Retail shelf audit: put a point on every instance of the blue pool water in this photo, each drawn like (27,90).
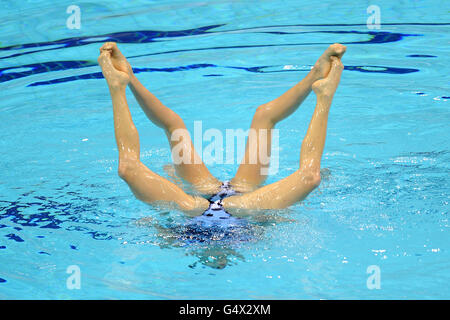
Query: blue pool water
(384,199)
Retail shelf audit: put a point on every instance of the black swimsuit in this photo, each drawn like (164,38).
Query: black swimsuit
(216,224)
(216,214)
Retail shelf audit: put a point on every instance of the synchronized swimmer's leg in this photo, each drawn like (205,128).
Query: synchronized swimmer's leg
(145,184)
(150,187)
(190,167)
(298,185)
(251,172)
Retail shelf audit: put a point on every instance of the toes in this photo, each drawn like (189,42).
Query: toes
(103,50)
(337,49)
(112,46)
(341,50)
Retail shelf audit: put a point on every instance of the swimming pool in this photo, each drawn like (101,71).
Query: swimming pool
(384,196)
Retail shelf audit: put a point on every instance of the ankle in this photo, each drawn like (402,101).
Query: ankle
(117,88)
(133,80)
(324,101)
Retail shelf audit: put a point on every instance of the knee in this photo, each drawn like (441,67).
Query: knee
(264,114)
(174,122)
(193,206)
(126,168)
(312,178)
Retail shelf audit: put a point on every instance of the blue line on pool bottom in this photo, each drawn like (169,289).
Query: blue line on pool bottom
(98,75)
(148,36)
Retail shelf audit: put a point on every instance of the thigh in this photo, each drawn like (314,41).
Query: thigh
(278,195)
(151,188)
(188,164)
(254,166)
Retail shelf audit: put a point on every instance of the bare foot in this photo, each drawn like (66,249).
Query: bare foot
(117,58)
(115,78)
(325,88)
(323,64)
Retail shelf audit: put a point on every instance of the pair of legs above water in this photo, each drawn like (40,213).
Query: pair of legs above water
(149,187)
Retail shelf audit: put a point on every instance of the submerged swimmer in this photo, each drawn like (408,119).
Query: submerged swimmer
(243,194)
